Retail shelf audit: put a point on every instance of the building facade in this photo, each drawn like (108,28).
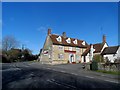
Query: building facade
(111,53)
(60,49)
(98,49)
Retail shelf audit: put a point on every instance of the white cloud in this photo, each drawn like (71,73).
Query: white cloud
(42,29)
(26,41)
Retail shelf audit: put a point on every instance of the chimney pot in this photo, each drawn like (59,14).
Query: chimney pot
(64,34)
(104,38)
(49,31)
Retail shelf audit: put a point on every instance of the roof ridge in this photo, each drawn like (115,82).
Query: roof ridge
(97,43)
(115,46)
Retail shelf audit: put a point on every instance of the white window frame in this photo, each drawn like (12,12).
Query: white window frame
(59,39)
(61,56)
(60,47)
(77,57)
(68,40)
(77,49)
(75,41)
(83,43)
(70,48)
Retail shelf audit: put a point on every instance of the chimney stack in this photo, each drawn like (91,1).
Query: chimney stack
(49,31)
(64,34)
(104,38)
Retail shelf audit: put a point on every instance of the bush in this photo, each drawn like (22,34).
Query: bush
(5,59)
(98,58)
(117,60)
(94,65)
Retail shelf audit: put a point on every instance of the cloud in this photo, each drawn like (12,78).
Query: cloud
(26,41)
(42,29)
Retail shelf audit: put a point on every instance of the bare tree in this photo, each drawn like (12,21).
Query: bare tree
(9,42)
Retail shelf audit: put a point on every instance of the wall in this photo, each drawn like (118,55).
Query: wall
(46,58)
(118,53)
(110,67)
(56,51)
(87,56)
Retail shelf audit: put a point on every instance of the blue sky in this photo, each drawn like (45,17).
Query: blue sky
(28,22)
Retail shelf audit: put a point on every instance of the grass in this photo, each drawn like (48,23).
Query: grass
(33,61)
(109,72)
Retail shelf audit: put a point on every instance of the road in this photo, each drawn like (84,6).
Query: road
(29,75)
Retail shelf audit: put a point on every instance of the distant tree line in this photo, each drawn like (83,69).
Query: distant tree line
(11,52)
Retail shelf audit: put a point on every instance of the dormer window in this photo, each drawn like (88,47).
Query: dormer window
(68,40)
(75,41)
(59,39)
(83,43)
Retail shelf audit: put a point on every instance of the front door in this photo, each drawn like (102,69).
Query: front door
(71,58)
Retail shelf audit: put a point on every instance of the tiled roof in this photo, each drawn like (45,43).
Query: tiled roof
(110,50)
(86,51)
(64,43)
(98,47)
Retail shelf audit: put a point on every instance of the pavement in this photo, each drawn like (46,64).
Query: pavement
(69,76)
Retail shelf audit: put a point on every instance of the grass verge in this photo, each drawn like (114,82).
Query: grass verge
(109,72)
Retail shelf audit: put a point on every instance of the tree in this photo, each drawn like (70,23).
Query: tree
(14,55)
(98,58)
(9,42)
(26,53)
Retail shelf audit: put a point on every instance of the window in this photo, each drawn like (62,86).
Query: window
(70,48)
(77,57)
(59,39)
(60,47)
(68,40)
(77,49)
(45,52)
(83,43)
(75,41)
(60,56)
(49,56)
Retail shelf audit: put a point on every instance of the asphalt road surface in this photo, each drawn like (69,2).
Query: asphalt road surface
(27,75)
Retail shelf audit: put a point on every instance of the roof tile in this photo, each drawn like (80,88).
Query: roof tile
(64,43)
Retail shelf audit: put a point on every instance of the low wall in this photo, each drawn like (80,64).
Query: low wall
(54,62)
(59,62)
(106,67)
(109,67)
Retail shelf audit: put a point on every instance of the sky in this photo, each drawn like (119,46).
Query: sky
(28,22)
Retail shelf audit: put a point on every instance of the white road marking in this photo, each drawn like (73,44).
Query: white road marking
(89,77)
(74,73)
(103,75)
(63,71)
(111,81)
(11,69)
